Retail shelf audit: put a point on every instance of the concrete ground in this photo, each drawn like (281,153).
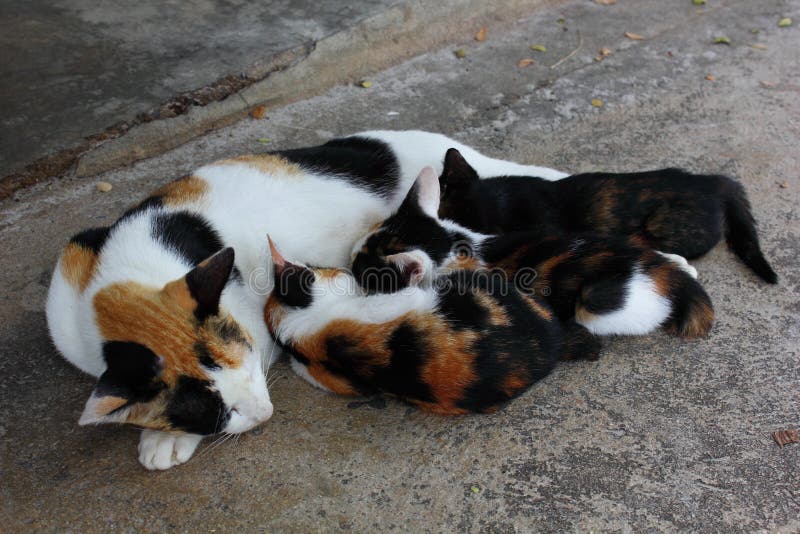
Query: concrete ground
(659,435)
(73,68)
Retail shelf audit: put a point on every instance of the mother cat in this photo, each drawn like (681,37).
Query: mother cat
(159,308)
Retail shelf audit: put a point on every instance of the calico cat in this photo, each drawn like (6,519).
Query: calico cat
(170,320)
(608,285)
(669,210)
(451,349)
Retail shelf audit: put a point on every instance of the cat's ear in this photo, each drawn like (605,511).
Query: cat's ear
(207,280)
(411,266)
(457,173)
(424,194)
(428,191)
(292,282)
(132,376)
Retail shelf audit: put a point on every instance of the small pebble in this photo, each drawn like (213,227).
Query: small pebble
(104,187)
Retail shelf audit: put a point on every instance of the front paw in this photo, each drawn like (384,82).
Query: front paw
(162,450)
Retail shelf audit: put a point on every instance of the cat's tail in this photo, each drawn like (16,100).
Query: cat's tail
(691,312)
(741,233)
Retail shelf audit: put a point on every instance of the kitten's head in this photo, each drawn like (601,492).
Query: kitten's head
(380,260)
(177,360)
(456,182)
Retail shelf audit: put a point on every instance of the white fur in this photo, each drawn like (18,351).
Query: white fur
(302,372)
(341,297)
(682,263)
(162,450)
(315,219)
(644,310)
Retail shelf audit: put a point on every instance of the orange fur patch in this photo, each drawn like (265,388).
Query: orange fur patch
(538,308)
(462,261)
(182,191)
(497,314)
(78,265)
(266,163)
(448,371)
(161,321)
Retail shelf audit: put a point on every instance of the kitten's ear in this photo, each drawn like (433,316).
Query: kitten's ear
(132,376)
(411,266)
(424,194)
(292,282)
(207,280)
(428,191)
(457,173)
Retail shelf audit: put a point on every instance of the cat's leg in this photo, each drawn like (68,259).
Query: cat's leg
(631,306)
(682,263)
(162,450)
(417,149)
(302,371)
(579,343)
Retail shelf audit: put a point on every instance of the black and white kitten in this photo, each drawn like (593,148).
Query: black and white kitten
(668,210)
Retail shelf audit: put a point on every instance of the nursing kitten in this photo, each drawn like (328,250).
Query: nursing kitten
(669,210)
(157,307)
(458,347)
(608,285)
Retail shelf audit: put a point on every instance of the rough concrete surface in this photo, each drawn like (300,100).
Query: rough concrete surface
(659,435)
(71,68)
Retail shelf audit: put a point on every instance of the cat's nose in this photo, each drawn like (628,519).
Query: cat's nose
(265,409)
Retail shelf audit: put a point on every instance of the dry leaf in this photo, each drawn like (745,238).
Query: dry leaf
(768,85)
(258,112)
(710,78)
(784,437)
(783,185)
(605,2)
(366,84)
(758,46)
(605,51)
(481,35)
(525,62)
(104,187)
(634,36)
(596,102)
(460,53)
(598,58)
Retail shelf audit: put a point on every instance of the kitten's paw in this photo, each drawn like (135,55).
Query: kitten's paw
(682,263)
(162,450)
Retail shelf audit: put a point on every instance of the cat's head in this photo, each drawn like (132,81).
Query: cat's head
(456,182)
(381,260)
(175,358)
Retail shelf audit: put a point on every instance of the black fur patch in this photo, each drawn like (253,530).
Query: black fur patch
(190,235)
(93,238)
(204,356)
(133,372)
(402,377)
(194,407)
(366,163)
(293,285)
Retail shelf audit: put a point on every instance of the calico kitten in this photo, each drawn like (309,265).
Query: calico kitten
(456,348)
(608,285)
(669,210)
(157,307)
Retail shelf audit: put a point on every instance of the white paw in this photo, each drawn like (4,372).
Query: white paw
(682,263)
(162,450)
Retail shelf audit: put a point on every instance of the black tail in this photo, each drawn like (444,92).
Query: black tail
(741,234)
